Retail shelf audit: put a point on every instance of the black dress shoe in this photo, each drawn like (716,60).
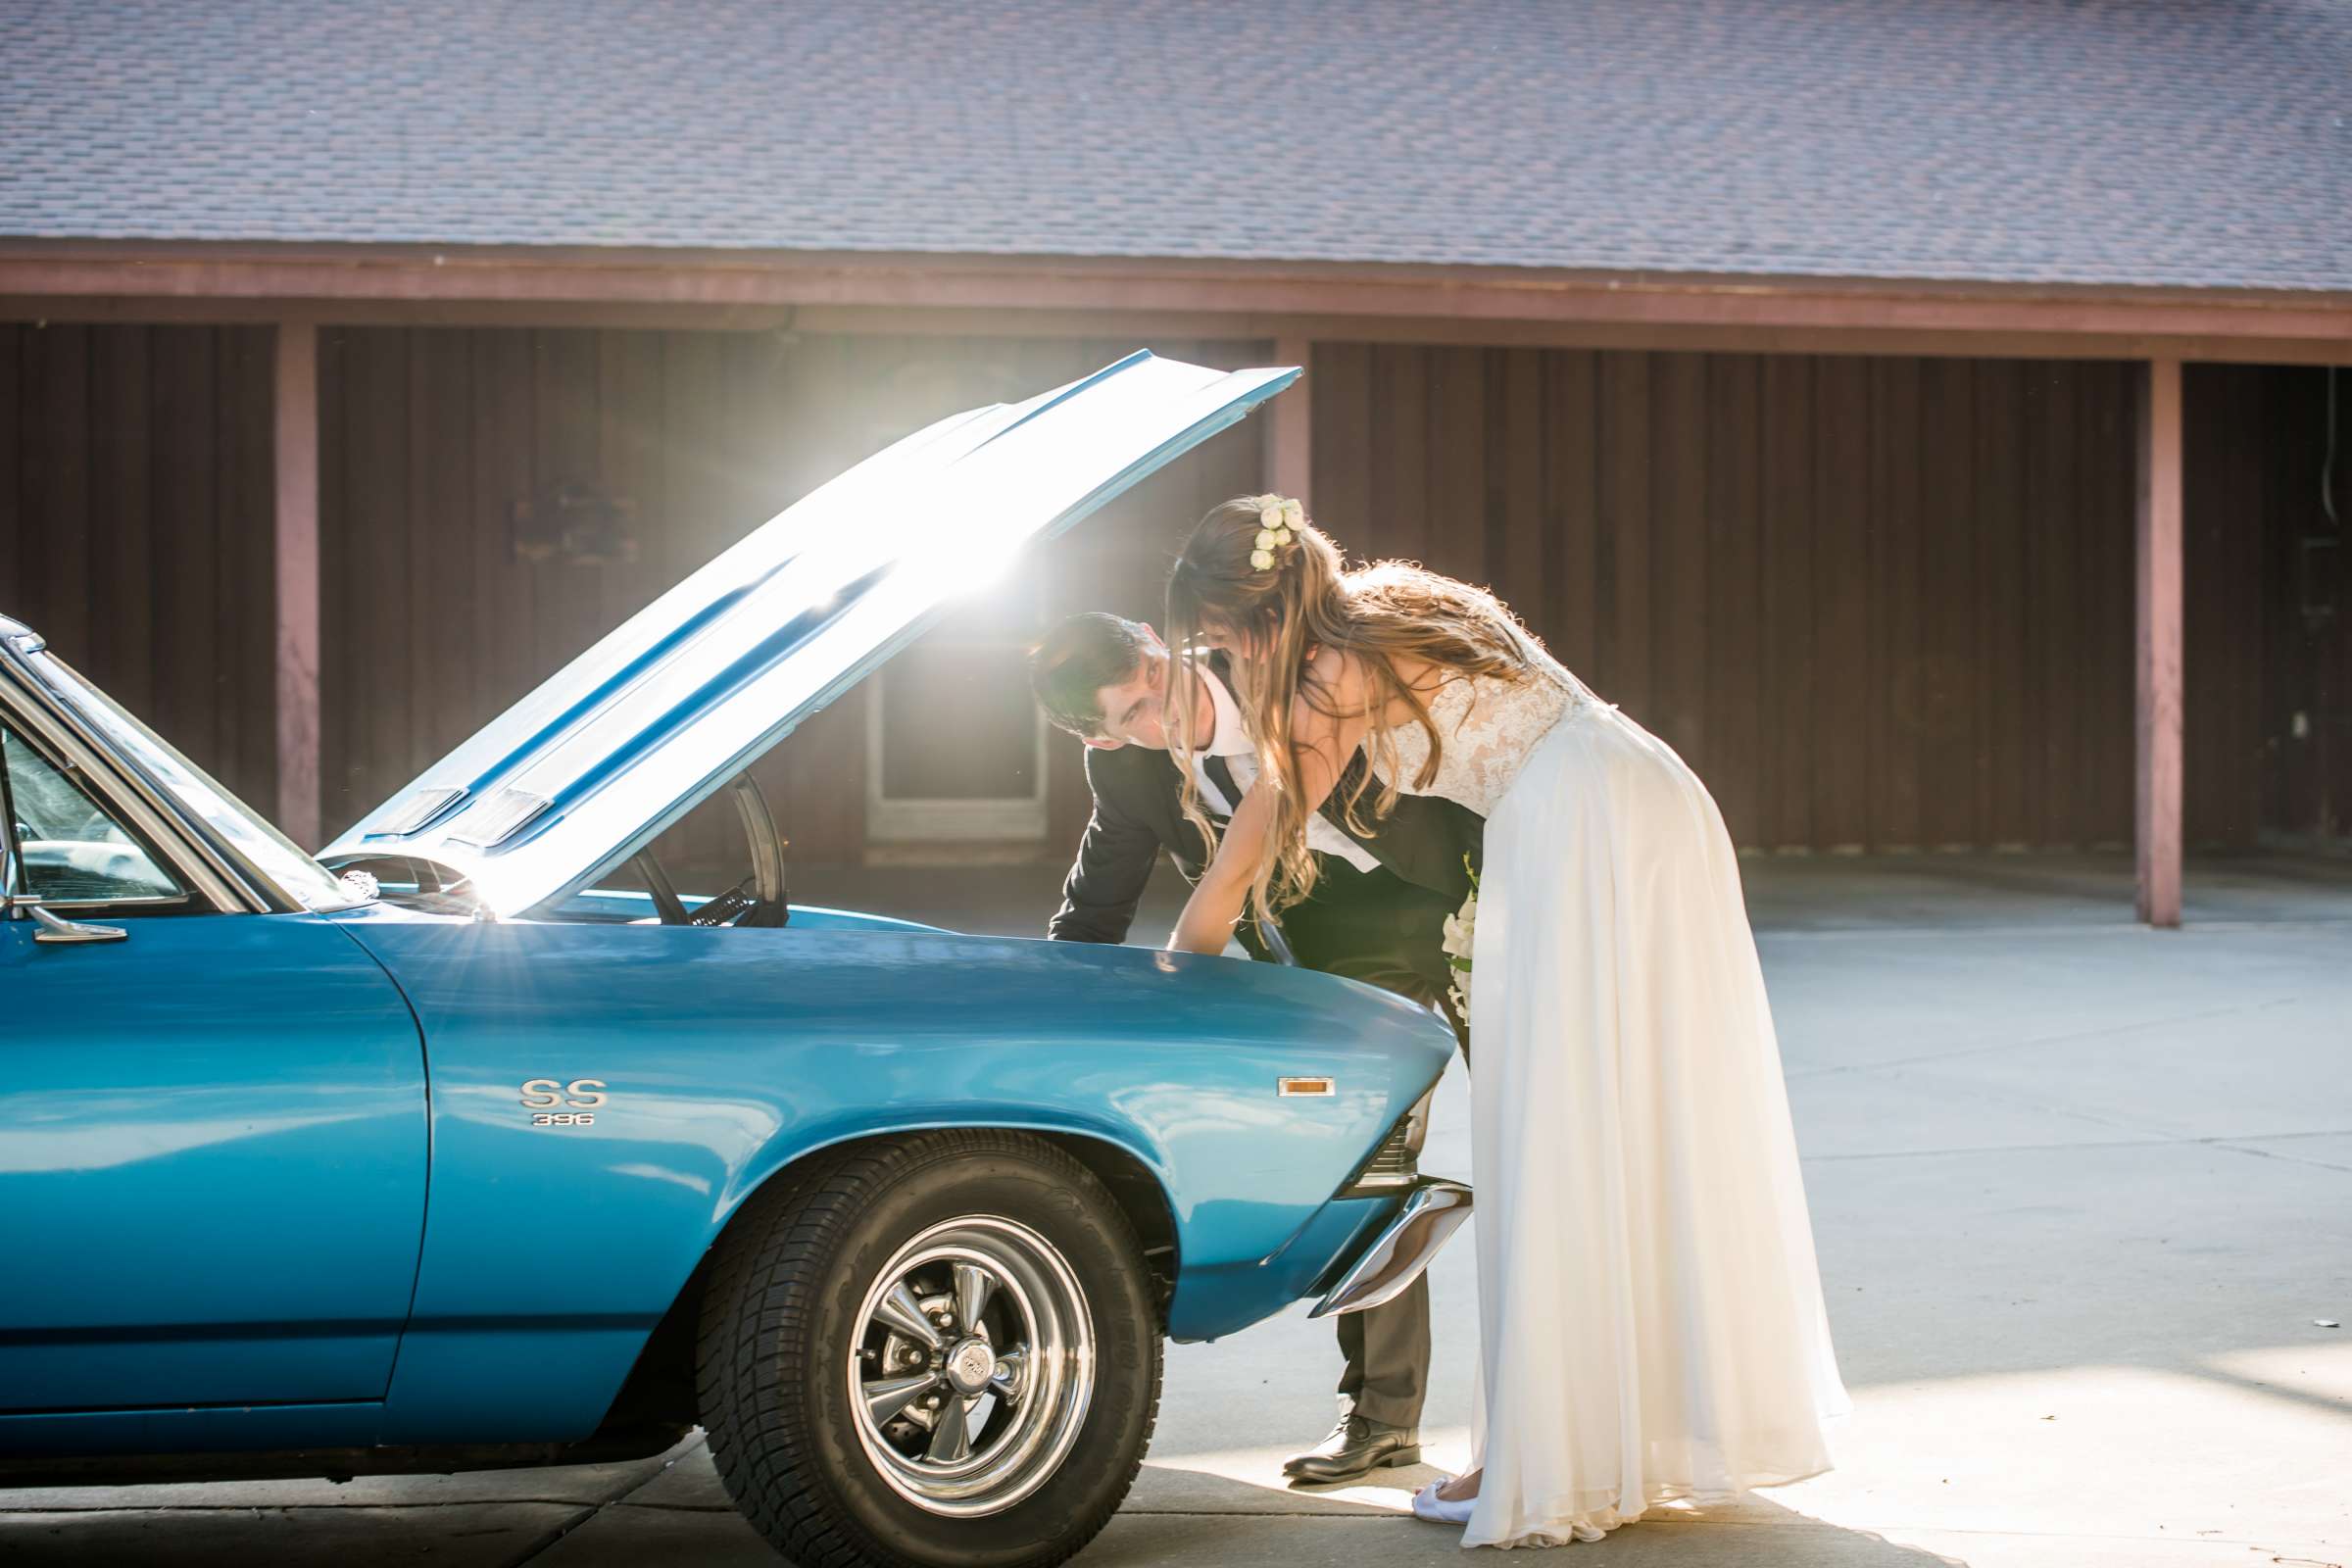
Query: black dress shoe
(1357,1448)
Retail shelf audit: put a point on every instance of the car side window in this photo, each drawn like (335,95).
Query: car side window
(66,848)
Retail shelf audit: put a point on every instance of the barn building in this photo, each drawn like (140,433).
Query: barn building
(1925,416)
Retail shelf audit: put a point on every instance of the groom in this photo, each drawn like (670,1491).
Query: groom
(1377,915)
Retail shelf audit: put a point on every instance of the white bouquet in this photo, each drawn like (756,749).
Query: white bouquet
(1461,930)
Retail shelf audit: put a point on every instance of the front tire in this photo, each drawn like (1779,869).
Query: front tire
(931,1351)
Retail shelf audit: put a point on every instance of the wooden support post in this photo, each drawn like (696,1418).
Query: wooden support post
(2157,608)
(297,554)
(1290,430)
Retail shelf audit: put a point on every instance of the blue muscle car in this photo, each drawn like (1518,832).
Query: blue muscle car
(435,1152)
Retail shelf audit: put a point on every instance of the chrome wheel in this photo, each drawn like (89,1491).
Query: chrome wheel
(971,1366)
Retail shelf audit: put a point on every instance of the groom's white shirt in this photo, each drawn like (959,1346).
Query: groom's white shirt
(1232,743)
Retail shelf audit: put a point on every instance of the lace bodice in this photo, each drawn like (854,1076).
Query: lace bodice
(1489,727)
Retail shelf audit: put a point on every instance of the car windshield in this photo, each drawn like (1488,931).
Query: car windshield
(269,851)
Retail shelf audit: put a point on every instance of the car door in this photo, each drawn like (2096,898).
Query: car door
(213,1139)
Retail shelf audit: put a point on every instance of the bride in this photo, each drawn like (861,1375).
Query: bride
(1649,1309)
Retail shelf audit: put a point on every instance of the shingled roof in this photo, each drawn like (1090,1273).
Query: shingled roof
(2116,142)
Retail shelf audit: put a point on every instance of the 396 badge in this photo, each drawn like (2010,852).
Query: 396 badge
(543,1095)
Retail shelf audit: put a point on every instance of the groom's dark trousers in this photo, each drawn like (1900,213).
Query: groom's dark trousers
(1384,926)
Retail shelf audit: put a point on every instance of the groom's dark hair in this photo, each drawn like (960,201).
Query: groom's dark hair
(1072,663)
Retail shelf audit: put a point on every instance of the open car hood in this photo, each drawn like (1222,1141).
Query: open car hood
(636,731)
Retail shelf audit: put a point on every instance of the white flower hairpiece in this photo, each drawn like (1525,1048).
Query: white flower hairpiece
(1278,523)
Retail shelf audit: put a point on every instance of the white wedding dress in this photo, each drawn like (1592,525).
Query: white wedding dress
(1650,1315)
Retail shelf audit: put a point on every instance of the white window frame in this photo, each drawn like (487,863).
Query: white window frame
(914,821)
(910,820)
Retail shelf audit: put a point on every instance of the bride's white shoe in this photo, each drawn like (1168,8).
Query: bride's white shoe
(1427,1504)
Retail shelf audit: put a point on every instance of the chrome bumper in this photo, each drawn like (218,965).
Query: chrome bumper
(1397,1256)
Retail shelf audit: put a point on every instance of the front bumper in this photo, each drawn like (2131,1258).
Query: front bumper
(1365,1245)
(1402,1249)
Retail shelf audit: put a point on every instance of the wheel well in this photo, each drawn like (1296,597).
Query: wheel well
(1139,1195)
(660,1386)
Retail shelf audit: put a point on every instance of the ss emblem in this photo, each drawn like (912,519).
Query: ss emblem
(541,1095)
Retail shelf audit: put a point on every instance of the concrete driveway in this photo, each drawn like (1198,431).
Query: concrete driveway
(2084,1198)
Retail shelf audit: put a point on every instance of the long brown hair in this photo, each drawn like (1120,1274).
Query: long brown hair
(1305,601)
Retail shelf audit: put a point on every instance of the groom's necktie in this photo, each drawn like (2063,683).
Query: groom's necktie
(1221,775)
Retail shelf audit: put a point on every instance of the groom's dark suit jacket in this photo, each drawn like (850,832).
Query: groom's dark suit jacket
(1383,927)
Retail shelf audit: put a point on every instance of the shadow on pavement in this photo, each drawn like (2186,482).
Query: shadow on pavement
(1193,1517)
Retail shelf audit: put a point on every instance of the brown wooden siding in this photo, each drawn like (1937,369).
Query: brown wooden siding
(1877,603)
(2226,482)
(431,436)
(2305,592)
(135,525)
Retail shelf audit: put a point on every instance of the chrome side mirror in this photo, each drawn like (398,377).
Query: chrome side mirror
(55,929)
